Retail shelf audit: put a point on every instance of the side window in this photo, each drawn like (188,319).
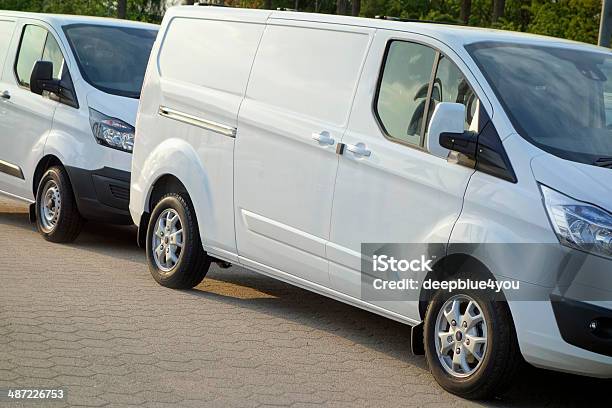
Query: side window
(53,53)
(37,44)
(30,51)
(451,86)
(402,99)
(402,93)
(606,68)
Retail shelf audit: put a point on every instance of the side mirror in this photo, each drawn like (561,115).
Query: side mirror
(41,78)
(446,131)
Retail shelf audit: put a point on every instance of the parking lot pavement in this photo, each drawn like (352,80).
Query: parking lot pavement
(88,318)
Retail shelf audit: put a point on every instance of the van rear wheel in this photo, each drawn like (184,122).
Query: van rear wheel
(174,250)
(470,344)
(57,216)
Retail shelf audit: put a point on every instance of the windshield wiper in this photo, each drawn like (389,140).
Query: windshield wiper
(604,162)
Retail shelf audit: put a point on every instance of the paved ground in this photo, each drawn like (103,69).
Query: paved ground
(89,318)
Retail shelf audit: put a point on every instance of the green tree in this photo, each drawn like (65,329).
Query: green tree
(573,19)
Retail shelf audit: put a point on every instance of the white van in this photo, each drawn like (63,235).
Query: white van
(69,89)
(288,142)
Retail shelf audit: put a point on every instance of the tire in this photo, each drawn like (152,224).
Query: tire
(57,216)
(500,355)
(184,266)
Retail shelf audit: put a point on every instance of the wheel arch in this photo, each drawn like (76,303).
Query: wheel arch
(171,166)
(447,268)
(166,183)
(43,165)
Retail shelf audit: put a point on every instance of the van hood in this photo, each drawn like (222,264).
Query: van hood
(582,182)
(114,106)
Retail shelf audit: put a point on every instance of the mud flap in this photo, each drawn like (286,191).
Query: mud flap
(416,340)
(32,213)
(141,236)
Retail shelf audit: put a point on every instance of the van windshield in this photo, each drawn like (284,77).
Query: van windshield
(112,59)
(559,99)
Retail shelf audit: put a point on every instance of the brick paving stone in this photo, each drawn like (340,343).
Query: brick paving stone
(88,317)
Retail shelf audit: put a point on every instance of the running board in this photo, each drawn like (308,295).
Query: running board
(221,263)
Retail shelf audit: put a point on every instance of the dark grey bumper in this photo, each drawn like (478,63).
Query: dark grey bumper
(584,325)
(102,195)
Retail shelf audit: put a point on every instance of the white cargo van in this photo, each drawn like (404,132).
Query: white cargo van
(289,142)
(69,89)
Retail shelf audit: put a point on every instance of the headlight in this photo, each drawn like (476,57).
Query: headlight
(579,225)
(111,132)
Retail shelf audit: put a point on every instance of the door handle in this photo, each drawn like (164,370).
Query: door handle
(323,138)
(359,149)
(5,95)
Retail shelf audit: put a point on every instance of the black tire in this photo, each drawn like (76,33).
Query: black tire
(193,262)
(501,360)
(67,222)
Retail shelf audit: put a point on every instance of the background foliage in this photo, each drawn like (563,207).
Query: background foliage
(573,19)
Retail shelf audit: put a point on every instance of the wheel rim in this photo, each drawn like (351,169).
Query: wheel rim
(50,206)
(167,240)
(461,336)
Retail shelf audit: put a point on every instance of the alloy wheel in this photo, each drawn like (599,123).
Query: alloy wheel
(461,336)
(167,240)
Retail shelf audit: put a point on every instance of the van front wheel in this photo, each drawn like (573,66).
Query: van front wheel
(470,344)
(174,250)
(57,216)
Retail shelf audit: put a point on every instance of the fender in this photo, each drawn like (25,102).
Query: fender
(29,167)
(72,141)
(177,158)
(64,146)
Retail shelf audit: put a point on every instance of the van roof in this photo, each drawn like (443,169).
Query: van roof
(66,19)
(452,35)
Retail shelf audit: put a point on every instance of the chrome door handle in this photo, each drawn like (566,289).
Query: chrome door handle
(5,95)
(323,138)
(359,149)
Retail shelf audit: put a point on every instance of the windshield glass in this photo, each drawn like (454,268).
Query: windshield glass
(112,59)
(559,99)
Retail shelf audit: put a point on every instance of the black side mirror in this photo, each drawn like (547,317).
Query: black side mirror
(41,78)
(464,143)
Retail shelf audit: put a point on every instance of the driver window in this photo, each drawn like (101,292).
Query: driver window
(30,51)
(451,86)
(53,53)
(606,86)
(37,44)
(402,93)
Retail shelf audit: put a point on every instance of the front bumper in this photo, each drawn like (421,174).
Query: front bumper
(584,325)
(102,195)
(543,345)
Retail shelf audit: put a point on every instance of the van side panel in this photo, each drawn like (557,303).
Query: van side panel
(211,54)
(301,87)
(7,27)
(187,119)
